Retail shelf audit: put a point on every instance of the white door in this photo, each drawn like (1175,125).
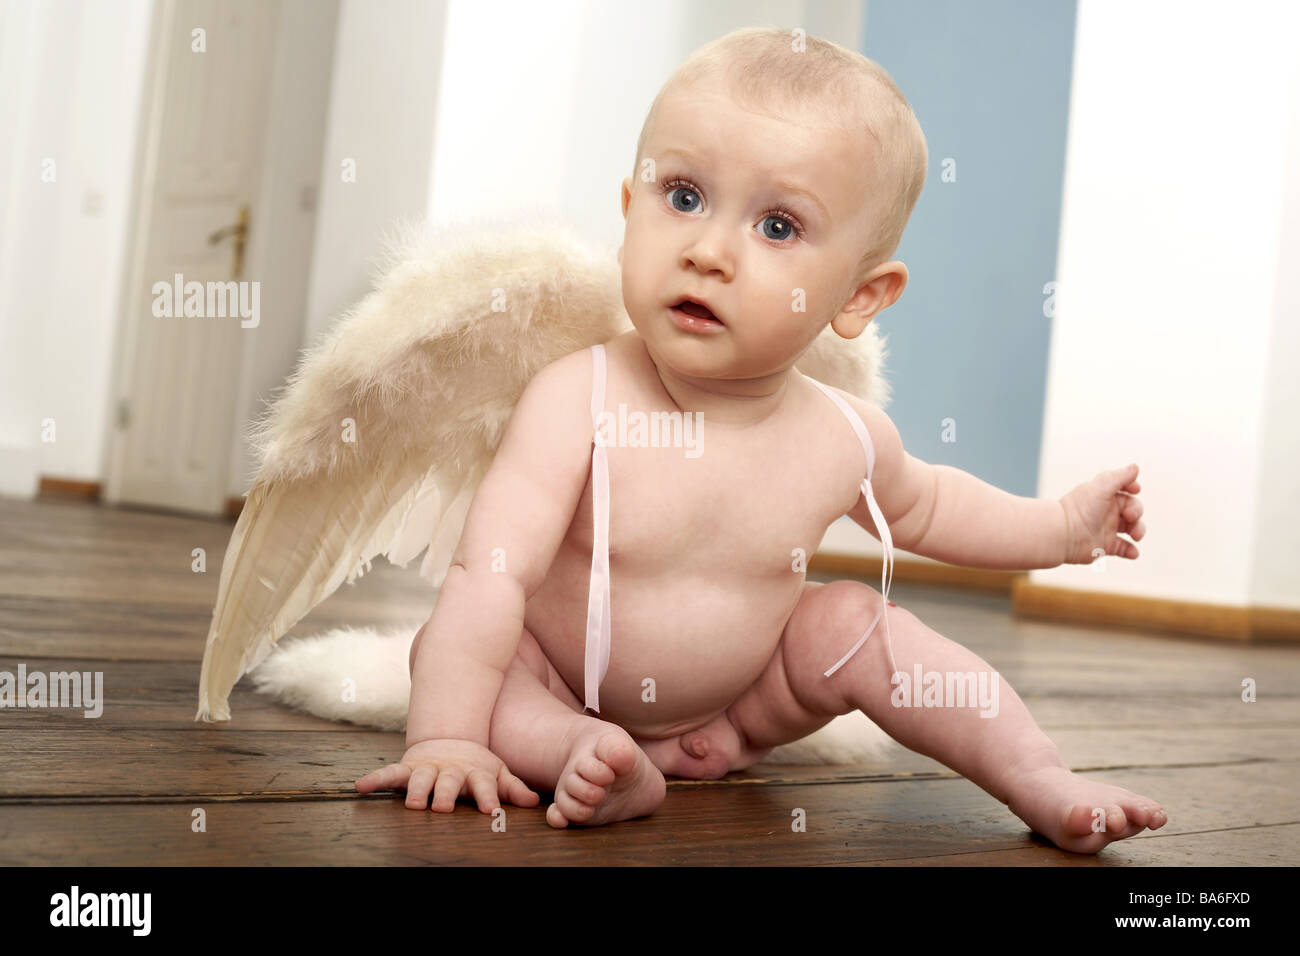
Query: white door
(202,152)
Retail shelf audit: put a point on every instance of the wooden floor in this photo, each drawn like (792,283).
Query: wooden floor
(102,589)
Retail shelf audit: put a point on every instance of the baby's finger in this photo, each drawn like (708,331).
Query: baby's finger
(418,787)
(1126,549)
(1131,510)
(448,789)
(484,790)
(392,777)
(1121,479)
(1137,531)
(516,791)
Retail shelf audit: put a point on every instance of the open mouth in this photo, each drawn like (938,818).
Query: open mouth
(696,310)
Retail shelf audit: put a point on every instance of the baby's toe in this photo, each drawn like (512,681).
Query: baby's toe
(618,752)
(1146,813)
(582,790)
(595,771)
(1117,822)
(1082,819)
(574,810)
(1078,820)
(555,817)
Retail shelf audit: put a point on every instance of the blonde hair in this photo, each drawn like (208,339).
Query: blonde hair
(766,68)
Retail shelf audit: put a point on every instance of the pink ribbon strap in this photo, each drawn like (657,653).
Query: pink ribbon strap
(878,518)
(596,661)
(886,579)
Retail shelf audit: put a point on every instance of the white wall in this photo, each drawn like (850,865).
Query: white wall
(1275,555)
(382,106)
(281,239)
(71,74)
(1174,337)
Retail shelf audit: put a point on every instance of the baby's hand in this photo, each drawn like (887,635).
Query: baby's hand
(1098,511)
(454,766)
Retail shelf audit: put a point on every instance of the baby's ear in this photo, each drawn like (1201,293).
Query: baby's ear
(878,291)
(849,325)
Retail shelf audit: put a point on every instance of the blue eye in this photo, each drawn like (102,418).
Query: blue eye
(687,208)
(784,227)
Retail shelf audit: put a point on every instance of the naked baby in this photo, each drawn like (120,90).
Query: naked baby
(773,180)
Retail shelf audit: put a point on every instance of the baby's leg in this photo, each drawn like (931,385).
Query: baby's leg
(1007,755)
(596,771)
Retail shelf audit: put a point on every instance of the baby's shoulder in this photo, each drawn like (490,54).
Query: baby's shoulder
(564,389)
(559,393)
(882,435)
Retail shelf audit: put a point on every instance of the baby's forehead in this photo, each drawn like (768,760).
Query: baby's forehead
(705,120)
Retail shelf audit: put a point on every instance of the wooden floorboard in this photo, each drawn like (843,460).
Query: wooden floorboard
(92,588)
(917,821)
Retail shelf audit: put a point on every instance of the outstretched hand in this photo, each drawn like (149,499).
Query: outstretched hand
(1098,511)
(448,769)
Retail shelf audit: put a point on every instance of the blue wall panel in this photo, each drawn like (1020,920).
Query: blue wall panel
(989,81)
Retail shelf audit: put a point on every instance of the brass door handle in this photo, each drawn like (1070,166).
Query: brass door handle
(240,231)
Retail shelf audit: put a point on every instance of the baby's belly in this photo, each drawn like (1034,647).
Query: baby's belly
(683,644)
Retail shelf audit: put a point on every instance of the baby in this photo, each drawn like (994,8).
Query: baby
(774,176)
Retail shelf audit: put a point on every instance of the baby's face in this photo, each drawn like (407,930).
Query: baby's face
(757,216)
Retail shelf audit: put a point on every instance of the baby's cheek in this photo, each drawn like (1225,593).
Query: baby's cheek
(643,290)
(635,297)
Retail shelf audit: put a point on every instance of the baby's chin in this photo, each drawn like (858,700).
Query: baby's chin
(720,355)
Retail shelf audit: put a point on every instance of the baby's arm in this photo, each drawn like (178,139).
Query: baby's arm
(513,529)
(949,515)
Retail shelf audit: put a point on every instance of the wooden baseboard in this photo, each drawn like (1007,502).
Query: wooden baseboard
(1071,606)
(1251,623)
(1274,624)
(1127,610)
(68,488)
(921,572)
(91,491)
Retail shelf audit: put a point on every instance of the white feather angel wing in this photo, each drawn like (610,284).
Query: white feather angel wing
(389,423)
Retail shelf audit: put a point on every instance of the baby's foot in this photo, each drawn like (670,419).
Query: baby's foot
(606,778)
(1069,809)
